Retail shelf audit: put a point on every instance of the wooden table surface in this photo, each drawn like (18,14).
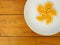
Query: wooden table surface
(13,29)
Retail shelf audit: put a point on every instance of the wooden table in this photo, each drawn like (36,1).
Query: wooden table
(13,29)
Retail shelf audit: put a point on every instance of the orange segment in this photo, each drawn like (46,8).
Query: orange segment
(48,5)
(40,18)
(47,12)
(48,19)
(40,9)
(52,12)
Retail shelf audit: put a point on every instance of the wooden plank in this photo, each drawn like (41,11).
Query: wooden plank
(48,41)
(29,40)
(14,25)
(12,6)
(23,41)
(4,41)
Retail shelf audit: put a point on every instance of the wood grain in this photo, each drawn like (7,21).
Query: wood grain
(12,6)
(29,41)
(11,25)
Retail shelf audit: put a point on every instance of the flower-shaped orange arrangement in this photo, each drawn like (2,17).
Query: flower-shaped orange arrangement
(46,12)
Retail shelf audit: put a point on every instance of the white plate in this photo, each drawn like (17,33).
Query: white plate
(30,14)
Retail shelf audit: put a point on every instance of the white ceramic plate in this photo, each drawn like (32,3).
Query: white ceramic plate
(30,13)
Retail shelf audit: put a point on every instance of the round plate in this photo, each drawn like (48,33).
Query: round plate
(30,13)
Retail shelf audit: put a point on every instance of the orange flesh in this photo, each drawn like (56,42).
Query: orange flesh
(46,13)
(40,18)
(48,5)
(40,9)
(48,19)
(52,12)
